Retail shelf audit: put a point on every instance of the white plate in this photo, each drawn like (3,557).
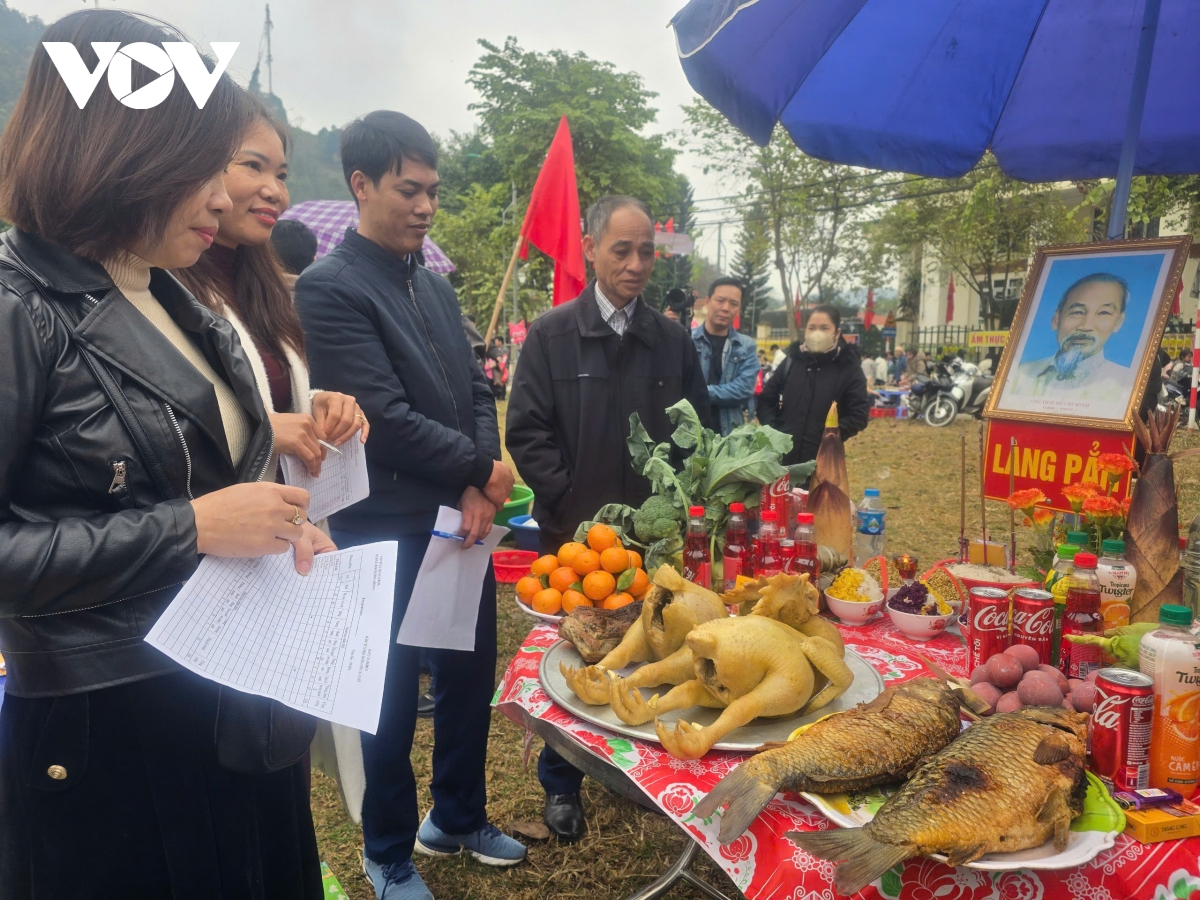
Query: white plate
(867,686)
(1082,846)
(529,611)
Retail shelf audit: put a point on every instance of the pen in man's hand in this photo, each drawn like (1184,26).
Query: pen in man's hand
(453,537)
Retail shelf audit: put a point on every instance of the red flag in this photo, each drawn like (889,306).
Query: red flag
(950,301)
(670,226)
(552,219)
(870,299)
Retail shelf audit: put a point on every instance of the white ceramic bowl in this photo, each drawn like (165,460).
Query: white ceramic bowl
(851,612)
(917,627)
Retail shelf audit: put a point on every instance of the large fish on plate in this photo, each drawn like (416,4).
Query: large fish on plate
(874,743)
(1011,782)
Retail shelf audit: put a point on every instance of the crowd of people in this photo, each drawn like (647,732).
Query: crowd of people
(164,338)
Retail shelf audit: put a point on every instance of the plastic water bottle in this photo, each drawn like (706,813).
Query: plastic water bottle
(868,541)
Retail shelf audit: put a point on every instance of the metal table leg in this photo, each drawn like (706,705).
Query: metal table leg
(679,871)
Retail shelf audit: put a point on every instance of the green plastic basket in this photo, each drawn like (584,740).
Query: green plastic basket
(518,504)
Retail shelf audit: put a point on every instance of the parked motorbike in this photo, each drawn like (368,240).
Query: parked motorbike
(955,387)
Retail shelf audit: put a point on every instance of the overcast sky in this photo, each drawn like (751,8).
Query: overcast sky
(336,59)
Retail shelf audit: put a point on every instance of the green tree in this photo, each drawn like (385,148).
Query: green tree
(19,37)
(752,267)
(814,210)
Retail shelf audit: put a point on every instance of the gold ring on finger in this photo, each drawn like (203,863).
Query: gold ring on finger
(298,518)
(360,416)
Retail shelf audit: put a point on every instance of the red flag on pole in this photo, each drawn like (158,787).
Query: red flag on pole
(950,301)
(870,300)
(552,219)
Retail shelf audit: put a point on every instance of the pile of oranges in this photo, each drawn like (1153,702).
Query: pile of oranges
(601,573)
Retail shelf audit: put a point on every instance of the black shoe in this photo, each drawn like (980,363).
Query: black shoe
(425,706)
(564,816)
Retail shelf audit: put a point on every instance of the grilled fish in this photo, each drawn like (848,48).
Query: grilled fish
(874,743)
(1009,783)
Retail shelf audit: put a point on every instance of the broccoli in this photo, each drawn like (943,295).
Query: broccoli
(657,520)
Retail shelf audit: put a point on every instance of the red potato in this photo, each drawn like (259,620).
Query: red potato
(1084,697)
(1010,702)
(1004,671)
(1058,676)
(1067,704)
(988,693)
(980,674)
(1074,683)
(1037,691)
(1091,676)
(1026,655)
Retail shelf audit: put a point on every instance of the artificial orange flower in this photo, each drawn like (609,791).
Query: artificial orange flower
(1026,500)
(1115,466)
(1125,507)
(1043,519)
(1079,492)
(1101,508)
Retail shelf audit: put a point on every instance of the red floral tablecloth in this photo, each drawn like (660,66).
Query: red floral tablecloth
(766,866)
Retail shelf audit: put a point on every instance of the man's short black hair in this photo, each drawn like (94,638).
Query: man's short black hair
(295,245)
(379,143)
(1096,278)
(727,280)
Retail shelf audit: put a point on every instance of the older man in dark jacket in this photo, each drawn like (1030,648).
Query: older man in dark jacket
(585,367)
(374,317)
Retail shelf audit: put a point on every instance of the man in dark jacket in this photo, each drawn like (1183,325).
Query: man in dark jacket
(824,370)
(377,319)
(585,367)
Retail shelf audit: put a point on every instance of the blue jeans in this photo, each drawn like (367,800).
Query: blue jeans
(463,684)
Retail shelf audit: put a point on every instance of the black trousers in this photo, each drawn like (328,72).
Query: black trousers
(463,684)
(144,809)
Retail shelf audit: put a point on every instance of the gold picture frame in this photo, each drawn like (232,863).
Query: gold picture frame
(1023,402)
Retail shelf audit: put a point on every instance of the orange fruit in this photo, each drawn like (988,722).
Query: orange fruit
(598,585)
(573,599)
(526,588)
(567,553)
(614,560)
(544,565)
(641,582)
(562,578)
(586,561)
(548,602)
(616,601)
(635,559)
(601,537)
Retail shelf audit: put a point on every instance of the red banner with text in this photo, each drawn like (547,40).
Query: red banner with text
(1048,457)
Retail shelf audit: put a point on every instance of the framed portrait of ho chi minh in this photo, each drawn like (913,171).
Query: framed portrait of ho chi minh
(1086,332)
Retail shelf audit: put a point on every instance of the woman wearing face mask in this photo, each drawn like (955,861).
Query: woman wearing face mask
(815,374)
(134,441)
(240,278)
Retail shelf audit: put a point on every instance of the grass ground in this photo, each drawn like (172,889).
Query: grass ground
(916,469)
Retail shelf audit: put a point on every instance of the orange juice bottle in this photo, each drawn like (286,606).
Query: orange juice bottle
(1171,656)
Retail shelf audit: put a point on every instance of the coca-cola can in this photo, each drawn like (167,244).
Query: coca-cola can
(1033,620)
(787,555)
(988,615)
(1120,729)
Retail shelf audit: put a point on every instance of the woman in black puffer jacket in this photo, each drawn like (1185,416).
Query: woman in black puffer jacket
(816,374)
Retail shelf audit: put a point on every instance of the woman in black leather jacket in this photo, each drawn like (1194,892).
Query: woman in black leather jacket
(133,441)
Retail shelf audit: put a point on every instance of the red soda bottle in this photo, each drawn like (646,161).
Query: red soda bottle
(1082,616)
(806,549)
(697,564)
(769,561)
(736,556)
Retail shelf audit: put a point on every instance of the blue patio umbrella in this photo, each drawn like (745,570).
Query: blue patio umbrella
(1056,89)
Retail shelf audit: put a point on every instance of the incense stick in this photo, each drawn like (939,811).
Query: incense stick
(1012,514)
(982,503)
(964,546)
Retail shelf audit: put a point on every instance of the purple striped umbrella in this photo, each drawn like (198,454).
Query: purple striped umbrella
(329,220)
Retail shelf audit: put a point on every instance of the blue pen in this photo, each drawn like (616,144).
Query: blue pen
(453,537)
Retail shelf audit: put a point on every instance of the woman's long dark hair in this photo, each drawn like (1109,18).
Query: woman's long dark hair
(261,298)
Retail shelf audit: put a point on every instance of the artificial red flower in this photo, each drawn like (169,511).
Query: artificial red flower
(1115,466)
(1077,493)
(1026,500)
(1101,508)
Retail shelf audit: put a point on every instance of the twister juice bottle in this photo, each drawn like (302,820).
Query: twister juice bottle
(697,564)
(1171,656)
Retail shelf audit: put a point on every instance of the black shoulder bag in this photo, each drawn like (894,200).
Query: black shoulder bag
(254,735)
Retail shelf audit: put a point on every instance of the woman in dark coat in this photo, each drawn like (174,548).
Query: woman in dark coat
(816,374)
(134,441)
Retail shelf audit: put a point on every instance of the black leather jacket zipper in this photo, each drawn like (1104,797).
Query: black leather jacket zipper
(187,455)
